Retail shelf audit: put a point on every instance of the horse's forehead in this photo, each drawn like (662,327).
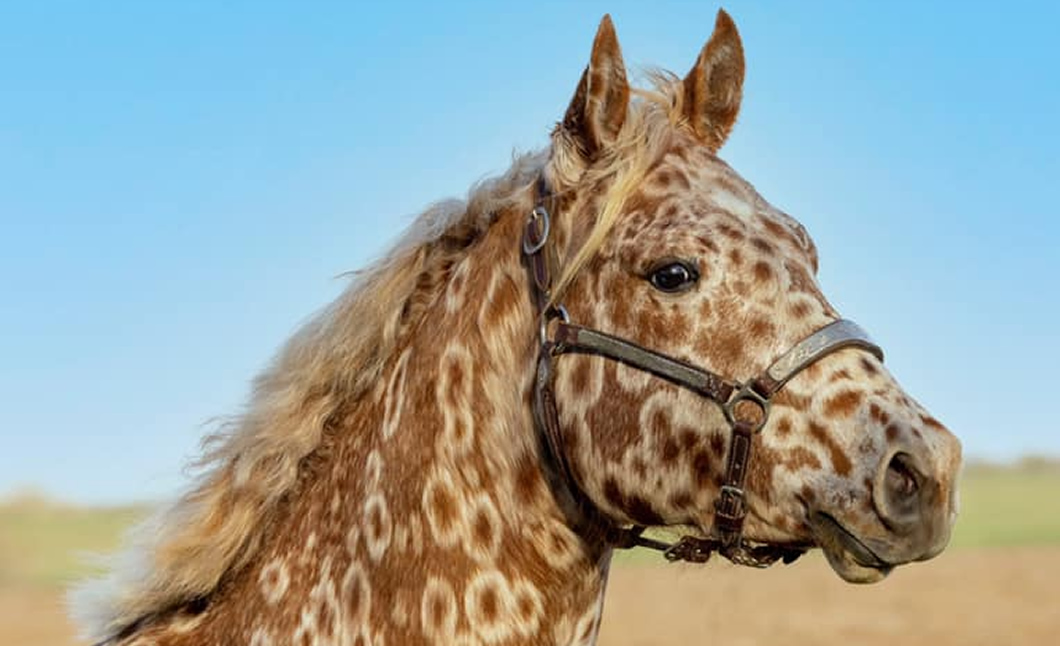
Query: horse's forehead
(694,188)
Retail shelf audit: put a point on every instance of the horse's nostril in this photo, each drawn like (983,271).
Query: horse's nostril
(898,493)
(901,477)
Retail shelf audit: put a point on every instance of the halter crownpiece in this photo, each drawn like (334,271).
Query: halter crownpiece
(746,406)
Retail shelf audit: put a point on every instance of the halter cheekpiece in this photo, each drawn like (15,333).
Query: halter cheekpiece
(746,406)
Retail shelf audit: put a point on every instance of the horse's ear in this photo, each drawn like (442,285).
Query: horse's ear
(598,109)
(714,86)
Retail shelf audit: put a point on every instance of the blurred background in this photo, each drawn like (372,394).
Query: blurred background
(181,184)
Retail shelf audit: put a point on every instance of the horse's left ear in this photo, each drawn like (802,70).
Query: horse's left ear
(598,109)
(714,86)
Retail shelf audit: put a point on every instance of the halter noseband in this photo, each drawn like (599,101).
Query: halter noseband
(746,406)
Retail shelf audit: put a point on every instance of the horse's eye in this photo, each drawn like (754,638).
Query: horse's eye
(673,276)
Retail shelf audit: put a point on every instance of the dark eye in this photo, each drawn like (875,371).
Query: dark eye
(673,276)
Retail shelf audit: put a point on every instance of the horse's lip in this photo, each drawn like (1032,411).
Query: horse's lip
(849,556)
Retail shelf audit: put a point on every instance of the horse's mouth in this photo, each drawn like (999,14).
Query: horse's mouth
(851,559)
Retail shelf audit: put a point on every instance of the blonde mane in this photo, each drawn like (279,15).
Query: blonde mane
(252,463)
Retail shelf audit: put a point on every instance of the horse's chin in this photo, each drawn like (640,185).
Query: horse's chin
(851,559)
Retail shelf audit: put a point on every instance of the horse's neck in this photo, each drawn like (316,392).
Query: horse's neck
(425,517)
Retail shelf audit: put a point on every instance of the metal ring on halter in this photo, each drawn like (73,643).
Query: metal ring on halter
(551,313)
(747,393)
(531,243)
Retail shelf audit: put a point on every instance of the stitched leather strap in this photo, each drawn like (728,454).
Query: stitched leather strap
(574,338)
(831,338)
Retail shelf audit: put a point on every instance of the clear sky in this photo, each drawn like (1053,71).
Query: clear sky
(181,184)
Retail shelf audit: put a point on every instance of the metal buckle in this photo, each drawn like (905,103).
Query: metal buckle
(731,503)
(551,313)
(747,393)
(532,243)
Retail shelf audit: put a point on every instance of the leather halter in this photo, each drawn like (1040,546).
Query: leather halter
(746,406)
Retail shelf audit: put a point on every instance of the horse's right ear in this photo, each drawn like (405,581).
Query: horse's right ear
(598,109)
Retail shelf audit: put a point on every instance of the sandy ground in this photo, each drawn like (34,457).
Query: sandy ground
(966,597)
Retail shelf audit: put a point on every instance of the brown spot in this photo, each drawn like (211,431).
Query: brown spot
(614,494)
(761,328)
(456,379)
(783,426)
(483,529)
(670,450)
(701,468)
(444,506)
(808,495)
(730,232)
(707,243)
(932,422)
(489,605)
(641,511)
(892,432)
(705,310)
(580,376)
(735,257)
(717,444)
(526,607)
(798,458)
(840,375)
(869,369)
(791,399)
(878,414)
(840,461)
(355,595)
(526,481)
(436,608)
(763,245)
(800,309)
(688,439)
(843,405)
(375,521)
(780,231)
(763,272)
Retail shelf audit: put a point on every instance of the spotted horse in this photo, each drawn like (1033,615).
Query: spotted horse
(616,333)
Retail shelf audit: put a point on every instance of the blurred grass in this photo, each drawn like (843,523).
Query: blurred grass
(1009,506)
(44,543)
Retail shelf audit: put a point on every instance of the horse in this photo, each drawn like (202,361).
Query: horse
(617,333)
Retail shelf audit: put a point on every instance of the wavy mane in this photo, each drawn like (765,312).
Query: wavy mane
(252,462)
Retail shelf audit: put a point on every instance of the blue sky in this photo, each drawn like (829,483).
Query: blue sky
(181,184)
